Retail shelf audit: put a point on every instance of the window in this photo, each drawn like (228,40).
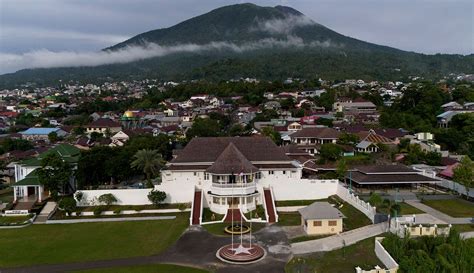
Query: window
(332,223)
(206,176)
(195,173)
(249,200)
(271,172)
(258,175)
(284,172)
(317,223)
(216,200)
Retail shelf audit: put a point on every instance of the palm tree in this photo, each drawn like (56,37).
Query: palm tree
(393,209)
(149,161)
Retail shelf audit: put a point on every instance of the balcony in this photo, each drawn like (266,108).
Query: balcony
(233,188)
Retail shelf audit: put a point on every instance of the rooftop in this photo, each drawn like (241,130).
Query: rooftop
(320,210)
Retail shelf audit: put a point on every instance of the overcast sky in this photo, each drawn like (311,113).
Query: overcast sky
(427,26)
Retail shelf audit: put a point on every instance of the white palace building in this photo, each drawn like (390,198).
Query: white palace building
(223,173)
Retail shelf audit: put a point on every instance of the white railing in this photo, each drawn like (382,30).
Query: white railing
(233,185)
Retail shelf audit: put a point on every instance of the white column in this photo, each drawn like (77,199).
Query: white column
(40,192)
(14,194)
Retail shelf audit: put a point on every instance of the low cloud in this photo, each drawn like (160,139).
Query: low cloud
(283,26)
(49,59)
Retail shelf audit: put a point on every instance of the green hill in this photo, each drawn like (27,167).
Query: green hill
(247,40)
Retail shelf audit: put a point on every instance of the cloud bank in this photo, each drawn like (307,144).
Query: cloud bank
(283,26)
(50,59)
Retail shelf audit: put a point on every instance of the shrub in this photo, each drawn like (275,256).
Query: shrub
(68,204)
(79,196)
(156,197)
(183,206)
(98,210)
(117,211)
(107,199)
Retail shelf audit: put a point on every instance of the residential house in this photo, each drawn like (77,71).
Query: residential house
(103,126)
(321,218)
(41,134)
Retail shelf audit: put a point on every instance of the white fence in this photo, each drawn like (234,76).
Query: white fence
(356,202)
(383,255)
(447,184)
(303,189)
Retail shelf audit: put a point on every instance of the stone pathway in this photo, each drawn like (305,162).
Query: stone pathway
(438,214)
(195,248)
(339,240)
(45,212)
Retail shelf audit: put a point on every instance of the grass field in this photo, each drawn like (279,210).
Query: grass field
(452,207)
(63,243)
(337,261)
(289,218)
(151,268)
(292,203)
(405,209)
(464,227)
(14,219)
(355,218)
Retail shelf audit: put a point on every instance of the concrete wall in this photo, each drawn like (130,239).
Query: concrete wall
(383,255)
(354,200)
(176,192)
(302,189)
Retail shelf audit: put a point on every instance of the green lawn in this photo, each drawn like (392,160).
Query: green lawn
(464,227)
(405,209)
(218,229)
(151,268)
(63,243)
(355,218)
(337,261)
(14,219)
(289,218)
(452,207)
(294,203)
(207,215)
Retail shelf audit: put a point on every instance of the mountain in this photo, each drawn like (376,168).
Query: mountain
(247,40)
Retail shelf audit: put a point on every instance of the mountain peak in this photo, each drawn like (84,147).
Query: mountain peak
(289,10)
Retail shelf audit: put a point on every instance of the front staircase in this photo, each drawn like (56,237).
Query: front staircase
(269,205)
(233,215)
(196,213)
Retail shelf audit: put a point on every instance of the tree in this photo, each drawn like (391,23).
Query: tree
(53,137)
(330,152)
(375,199)
(464,173)
(341,169)
(149,161)
(272,134)
(156,197)
(68,204)
(348,139)
(392,207)
(107,199)
(203,127)
(54,174)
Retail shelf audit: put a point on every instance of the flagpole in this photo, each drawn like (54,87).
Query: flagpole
(231,209)
(240,211)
